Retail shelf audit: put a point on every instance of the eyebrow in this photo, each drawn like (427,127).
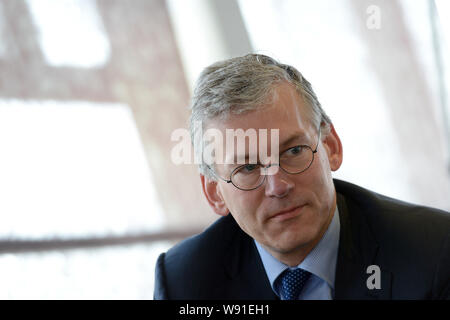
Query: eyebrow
(298,135)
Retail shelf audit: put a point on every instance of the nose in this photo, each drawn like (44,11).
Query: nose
(278,184)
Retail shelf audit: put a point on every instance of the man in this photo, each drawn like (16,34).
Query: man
(289,231)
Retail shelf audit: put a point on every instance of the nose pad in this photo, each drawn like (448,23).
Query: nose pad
(270,170)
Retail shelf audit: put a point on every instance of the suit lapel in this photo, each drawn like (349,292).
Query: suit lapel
(357,250)
(247,279)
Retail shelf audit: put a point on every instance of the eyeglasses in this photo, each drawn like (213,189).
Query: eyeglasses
(294,160)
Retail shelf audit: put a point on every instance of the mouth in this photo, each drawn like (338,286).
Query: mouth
(287,214)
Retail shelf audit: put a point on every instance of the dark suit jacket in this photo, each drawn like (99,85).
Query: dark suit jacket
(410,244)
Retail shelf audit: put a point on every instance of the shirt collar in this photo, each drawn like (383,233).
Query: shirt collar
(321,261)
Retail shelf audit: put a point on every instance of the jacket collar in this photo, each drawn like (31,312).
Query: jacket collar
(358,249)
(245,270)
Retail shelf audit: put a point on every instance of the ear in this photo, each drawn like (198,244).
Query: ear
(214,196)
(333,146)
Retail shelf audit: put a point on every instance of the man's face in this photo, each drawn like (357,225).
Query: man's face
(309,196)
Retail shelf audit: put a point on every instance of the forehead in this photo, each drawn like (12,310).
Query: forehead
(285,110)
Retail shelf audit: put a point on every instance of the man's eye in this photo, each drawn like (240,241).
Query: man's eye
(295,150)
(249,168)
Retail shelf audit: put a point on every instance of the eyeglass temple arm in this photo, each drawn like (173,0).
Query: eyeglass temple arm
(217,176)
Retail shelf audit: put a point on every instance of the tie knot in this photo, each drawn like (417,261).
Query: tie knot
(292,282)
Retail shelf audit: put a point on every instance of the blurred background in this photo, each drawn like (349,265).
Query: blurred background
(91,90)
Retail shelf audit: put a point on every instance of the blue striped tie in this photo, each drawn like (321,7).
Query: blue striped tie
(292,282)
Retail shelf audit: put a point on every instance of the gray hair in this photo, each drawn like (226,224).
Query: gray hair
(240,85)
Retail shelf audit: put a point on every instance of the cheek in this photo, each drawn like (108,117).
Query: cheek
(240,203)
(320,182)
(244,207)
(322,166)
